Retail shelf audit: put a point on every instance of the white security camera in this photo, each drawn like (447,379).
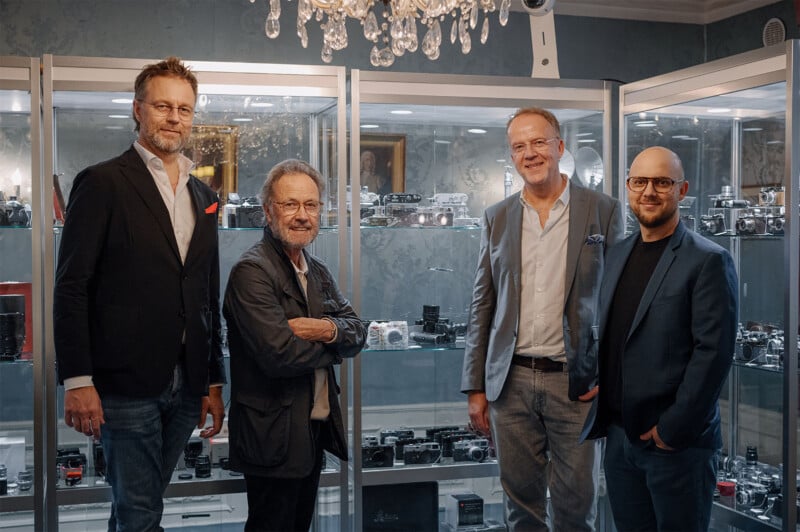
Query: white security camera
(538,8)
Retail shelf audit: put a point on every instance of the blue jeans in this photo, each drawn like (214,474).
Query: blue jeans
(142,441)
(535,429)
(650,489)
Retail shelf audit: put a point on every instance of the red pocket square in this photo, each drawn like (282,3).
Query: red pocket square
(211,209)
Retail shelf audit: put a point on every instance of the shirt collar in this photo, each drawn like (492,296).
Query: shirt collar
(303,268)
(563,198)
(184,163)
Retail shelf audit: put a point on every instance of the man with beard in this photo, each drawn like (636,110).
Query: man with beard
(668,314)
(136,305)
(288,325)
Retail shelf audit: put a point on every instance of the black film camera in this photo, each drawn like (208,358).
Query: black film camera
(422,453)
(436,330)
(712,224)
(193,449)
(374,454)
(399,433)
(400,444)
(471,450)
(250,213)
(447,439)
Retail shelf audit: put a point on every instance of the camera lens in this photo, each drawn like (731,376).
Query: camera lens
(202,466)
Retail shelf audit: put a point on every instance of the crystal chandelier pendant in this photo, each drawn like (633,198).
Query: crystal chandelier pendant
(398,31)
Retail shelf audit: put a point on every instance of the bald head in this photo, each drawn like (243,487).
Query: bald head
(657,161)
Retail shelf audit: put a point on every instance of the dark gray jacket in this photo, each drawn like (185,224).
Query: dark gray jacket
(272,370)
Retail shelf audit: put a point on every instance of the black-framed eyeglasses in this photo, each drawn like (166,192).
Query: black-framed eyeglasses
(291,207)
(660,184)
(164,109)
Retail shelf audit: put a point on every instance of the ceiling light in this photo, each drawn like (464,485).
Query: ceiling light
(586,140)
(242,119)
(585,133)
(752,129)
(118,116)
(401,112)
(391,24)
(718,110)
(476,130)
(261,104)
(122,100)
(370,126)
(645,123)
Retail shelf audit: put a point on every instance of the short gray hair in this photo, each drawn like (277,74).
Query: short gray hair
(290,166)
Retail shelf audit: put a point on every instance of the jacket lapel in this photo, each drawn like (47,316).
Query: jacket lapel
(513,232)
(314,291)
(198,204)
(578,217)
(136,172)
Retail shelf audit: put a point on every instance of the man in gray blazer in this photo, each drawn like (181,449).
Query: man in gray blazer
(530,359)
(667,321)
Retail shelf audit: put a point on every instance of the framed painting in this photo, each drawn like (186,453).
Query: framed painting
(214,150)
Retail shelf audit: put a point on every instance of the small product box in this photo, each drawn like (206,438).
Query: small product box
(464,509)
(12,454)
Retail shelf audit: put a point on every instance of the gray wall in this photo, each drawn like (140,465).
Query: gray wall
(233,30)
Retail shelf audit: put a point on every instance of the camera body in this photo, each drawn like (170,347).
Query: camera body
(476,450)
(398,433)
(538,8)
(422,453)
(712,224)
(250,213)
(447,439)
(71,464)
(751,494)
(374,454)
(193,449)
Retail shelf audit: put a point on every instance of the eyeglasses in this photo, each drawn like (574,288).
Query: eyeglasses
(660,184)
(536,144)
(291,207)
(165,109)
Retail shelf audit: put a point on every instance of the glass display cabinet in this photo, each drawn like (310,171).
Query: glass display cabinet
(733,123)
(21,367)
(248,117)
(428,155)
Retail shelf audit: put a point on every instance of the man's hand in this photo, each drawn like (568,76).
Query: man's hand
(588,396)
(212,404)
(652,434)
(311,329)
(83,411)
(478,408)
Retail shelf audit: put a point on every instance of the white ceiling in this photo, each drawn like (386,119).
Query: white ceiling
(685,11)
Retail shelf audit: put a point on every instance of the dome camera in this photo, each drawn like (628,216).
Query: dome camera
(538,8)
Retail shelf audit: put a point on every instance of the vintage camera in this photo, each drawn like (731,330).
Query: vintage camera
(775,223)
(202,466)
(726,200)
(751,345)
(751,222)
(250,213)
(771,196)
(374,454)
(751,494)
(70,457)
(397,433)
(447,439)
(193,449)
(431,433)
(436,330)
(400,443)
(471,450)
(712,224)
(433,216)
(422,453)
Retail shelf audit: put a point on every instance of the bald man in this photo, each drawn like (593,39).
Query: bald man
(668,315)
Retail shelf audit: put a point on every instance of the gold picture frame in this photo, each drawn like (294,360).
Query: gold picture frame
(214,150)
(383,162)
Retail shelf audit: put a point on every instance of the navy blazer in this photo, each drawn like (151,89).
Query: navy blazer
(123,299)
(594,224)
(680,345)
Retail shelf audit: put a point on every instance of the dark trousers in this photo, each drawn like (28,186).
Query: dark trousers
(654,490)
(284,504)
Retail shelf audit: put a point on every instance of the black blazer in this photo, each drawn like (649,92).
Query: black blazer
(272,370)
(680,346)
(123,299)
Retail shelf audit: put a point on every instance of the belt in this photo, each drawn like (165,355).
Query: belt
(547,365)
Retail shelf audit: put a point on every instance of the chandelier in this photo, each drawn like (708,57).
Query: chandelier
(396,33)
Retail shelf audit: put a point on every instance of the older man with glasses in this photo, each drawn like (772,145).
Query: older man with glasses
(288,326)
(668,315)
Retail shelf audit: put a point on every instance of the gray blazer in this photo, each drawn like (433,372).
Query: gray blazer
(595,222)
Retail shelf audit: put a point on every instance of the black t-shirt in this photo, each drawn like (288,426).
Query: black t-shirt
(632,283)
